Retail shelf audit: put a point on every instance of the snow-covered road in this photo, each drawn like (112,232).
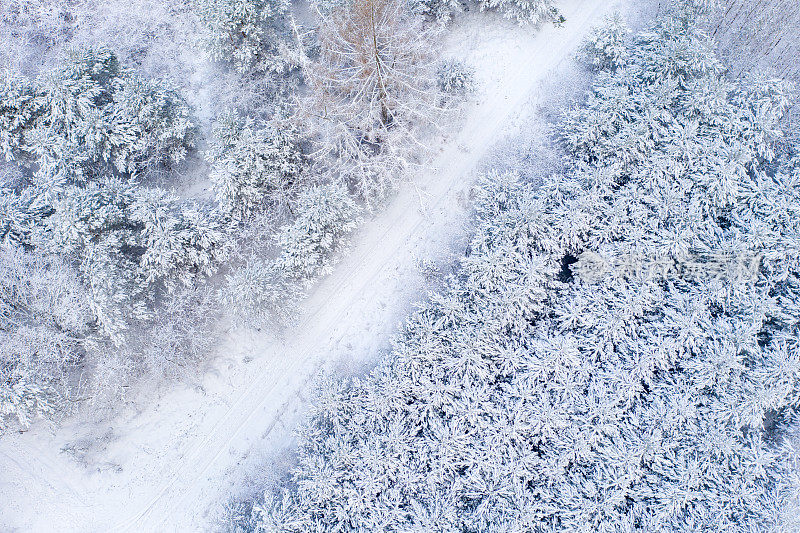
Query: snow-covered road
(161,469)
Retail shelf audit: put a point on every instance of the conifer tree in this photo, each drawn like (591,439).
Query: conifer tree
(253,35)
(325,215)
(524,11)
(253,166)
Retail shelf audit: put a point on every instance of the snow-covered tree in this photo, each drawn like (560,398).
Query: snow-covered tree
(82,145)
(32,28)
(442,11)
(180,241)
(44,315)
(96,117)
(94,226)
(131,241)
(455,77)
(162,123)
(253,35)
(790,453)
(18,111)
(13,214)
(524,11)
(372,91)
(605,48)
(704,6)
(253,166)
(84,132)
(87,120)
(520,11)
(265,292)
(325,215)
(646,387)
(260,292)
(23,402)
(172,344)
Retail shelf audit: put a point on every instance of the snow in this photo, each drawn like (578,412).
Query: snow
(168,464)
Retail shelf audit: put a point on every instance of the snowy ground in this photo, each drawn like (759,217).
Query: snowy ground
(167,467)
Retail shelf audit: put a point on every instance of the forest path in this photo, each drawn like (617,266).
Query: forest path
(161,469)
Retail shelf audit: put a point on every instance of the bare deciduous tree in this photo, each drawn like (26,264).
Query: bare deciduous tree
(373,90)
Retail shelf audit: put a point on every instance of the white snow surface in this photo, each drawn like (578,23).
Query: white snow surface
(169,463)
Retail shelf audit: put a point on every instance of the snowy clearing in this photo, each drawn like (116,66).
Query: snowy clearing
(163,467)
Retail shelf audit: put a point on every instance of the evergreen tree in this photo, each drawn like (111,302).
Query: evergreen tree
(130,242)
(454,77)
(18,111)
(605,47)
(98,118)
(253,166)
(524,11)
(181,241)
(105,256)
(324,216)
(253,35)
(442,11)
(84,132)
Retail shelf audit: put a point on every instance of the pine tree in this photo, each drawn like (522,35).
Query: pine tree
(105,256)
(86,131)
(253,166)
(605,47)
(324,216)
(91,118)
(253,35)
(442,11)
(524,11)
(181,241)
(454,77)
(18,111)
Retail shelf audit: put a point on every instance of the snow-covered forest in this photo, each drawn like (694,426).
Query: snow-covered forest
(105,249)
(215,214)
(619,349)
